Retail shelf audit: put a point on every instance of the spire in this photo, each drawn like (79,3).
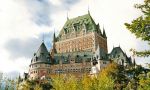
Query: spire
(54,40)
(67,16)
(19,79)
(43,38)
(104,34)
(98,29)
(54,37)
(88,8)
(42,51)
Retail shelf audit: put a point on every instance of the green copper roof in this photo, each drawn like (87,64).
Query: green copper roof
(104,34)
(77,56)
(42,55)
(86,20)
(117,53)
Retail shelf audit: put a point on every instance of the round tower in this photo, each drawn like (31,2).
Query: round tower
(40,63)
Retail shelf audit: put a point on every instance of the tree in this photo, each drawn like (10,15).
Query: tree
(141,26)
(1,78)
(86,82)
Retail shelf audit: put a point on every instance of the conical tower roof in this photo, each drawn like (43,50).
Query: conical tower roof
(104,34)
(42,49)
(42,55)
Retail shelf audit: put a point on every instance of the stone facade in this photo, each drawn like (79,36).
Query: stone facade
(80,34)
(120,57)
(40,63)
(75,46)
(79,46)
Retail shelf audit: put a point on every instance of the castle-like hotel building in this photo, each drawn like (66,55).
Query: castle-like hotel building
(80,45)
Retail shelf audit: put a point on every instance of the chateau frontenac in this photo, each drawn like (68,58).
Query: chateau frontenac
(80,45)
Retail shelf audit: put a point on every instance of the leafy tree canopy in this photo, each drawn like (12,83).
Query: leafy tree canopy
(141,26)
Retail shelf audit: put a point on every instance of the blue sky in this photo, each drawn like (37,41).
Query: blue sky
(24,22)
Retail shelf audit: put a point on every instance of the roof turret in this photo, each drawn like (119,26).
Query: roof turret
(98,29)
(104,34)
(54,37)
(76,24)
(42,55)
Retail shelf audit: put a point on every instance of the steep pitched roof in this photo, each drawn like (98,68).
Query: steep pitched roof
(98,29)
(42,55)
(78,56)
(117,52)
(104,33)
(84,19)
(42,49)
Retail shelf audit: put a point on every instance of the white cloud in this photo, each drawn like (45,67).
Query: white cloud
(55,2)
(15,22)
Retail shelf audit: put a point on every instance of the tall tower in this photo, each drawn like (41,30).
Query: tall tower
(80,34)
(40,63)
(53,50)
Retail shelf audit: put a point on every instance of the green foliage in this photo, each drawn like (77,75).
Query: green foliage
(35,85)
(64,82)
(144,82)
(141,26)
(103,81)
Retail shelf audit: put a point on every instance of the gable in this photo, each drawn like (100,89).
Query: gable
(78,24)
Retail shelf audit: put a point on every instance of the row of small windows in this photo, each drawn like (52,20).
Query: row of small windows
(75,49)
(80,40)
(76,27)
(104,62)
(75,44)
(72,70)
(40,65)
(36,59)
(38,71)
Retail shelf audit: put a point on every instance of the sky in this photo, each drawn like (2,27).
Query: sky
(23,23)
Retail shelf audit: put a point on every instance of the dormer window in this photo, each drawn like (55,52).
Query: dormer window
(65,30)
(76,26)
(85,55)
(65,60)
(48,59)
(42,53)
(36,58)
(34,54)
(97,56)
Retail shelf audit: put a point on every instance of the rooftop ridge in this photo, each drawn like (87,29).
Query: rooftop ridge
(41,48)
(83,19)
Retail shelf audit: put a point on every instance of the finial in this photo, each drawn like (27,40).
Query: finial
(103,28)
(67,16)
(54,30)
(104,34)
(54,33)
(43,38)
(88,9)
(54,36)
